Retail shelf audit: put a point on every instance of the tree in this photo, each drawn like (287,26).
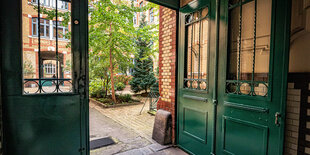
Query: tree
(28,68)
(111,35)
(143,75)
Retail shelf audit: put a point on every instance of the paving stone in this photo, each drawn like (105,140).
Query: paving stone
(157,147)
(131,131)
(131,152)
(146,151)
(170,151)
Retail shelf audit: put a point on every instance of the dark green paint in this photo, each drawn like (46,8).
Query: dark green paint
(43,123)
(173,4)
(237,115)
(194,5)
(232,122)
(195,108)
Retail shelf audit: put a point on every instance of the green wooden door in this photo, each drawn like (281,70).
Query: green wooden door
(195,82)
(253,58)
(241,109)
(38,118)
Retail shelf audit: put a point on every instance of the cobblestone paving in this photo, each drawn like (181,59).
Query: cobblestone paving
(131,131)
(129,116)
(126,139)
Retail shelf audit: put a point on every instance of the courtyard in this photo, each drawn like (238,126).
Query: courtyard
(131,132)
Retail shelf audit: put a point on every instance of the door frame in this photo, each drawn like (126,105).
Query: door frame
(11,42)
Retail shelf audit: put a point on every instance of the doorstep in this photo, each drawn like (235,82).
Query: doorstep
(155,149)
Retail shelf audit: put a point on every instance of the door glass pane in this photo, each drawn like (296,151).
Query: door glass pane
(249,48)
(47,56)
(197,26)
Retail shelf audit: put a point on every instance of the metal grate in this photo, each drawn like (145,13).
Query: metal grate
(242,77)
(196,36)
(48,12)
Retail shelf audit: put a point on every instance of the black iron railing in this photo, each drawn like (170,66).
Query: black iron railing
(47,85)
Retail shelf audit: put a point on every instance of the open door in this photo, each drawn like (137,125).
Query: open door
(253,63)
(195,81)
(44,77)
(233,62)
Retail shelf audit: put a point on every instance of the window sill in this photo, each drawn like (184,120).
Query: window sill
(47,38)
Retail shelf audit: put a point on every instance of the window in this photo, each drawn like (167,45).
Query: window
(34,26)
(49,68)
(142,12)
(135,19)
(44,27)
(196,50)
(52,3)
(151,15)
(47,62)
(249,47)
(62,5)
(62,30)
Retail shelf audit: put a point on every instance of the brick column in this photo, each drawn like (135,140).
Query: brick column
(167,61)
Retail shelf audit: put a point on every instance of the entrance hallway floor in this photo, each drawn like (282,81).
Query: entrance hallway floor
(131,132)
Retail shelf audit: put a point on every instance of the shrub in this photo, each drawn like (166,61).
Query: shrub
(96,88)
(120,86)
(125,98)
(122,78)
(105,100)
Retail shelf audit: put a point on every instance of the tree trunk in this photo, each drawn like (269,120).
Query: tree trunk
(111,70)
(106,87)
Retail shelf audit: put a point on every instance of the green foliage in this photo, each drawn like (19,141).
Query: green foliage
(28,68)
(143,75)
(51,15)
(120,86)
(125,98)
(105,100)
(96,88)
(121,78)
(110,29)
(68,66)
(155,87)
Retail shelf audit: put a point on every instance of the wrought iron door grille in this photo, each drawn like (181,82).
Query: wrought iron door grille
(49,24)
(197,50)
(249,47)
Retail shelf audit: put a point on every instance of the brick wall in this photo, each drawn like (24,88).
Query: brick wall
(297,132)
(167,61)
(292,119)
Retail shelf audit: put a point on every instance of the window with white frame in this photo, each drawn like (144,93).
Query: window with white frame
(44,27)
(52,3)
(135,19)
(49,68)
(62,30)
(151,11)
(141,5)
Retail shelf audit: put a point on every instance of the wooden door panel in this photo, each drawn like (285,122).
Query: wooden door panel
(195,124)
(249,97)
(243,137)
(35,124)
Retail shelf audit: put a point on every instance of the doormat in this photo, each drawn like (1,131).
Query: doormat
(98,143)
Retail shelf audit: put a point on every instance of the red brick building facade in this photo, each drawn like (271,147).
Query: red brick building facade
(167,61)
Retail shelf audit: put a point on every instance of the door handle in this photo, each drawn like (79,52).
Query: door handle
(277,115)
